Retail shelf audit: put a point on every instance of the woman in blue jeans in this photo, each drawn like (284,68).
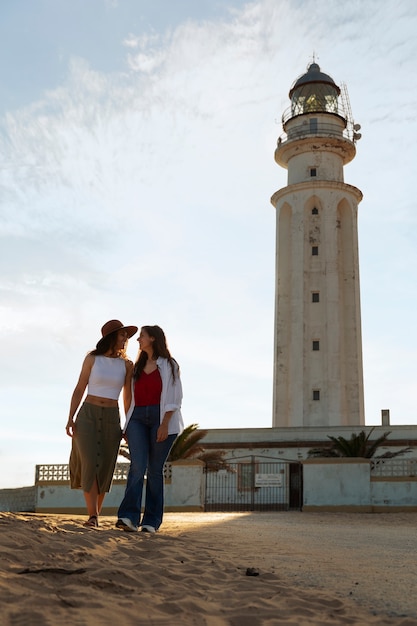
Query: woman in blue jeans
(150,429)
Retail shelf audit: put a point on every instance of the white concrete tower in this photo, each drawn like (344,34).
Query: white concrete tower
(318,376)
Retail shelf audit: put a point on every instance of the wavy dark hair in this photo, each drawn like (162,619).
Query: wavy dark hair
(160,348)
(106,344)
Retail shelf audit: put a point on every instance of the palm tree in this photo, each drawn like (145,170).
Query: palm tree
(187,446)
(359,445)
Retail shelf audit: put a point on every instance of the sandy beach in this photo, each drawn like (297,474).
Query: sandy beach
(310,569)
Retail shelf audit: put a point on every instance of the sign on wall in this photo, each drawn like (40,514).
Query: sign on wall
(268,480)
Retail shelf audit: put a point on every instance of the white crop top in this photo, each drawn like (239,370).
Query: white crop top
(107,377)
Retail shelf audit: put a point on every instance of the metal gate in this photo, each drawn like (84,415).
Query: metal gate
(254,484)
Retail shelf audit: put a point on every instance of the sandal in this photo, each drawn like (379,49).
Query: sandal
(92,522)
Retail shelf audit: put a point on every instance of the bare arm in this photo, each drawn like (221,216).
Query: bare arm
(127,389)
(78,392)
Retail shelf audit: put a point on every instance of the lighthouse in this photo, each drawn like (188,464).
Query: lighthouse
(318,372)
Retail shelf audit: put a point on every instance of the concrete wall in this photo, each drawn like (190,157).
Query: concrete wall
(59,498)
(347,485)
(184,491)
(397,494)
(342,484)
(16,500)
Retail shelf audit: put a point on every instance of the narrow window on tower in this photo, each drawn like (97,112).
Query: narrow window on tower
(316,394)
(316,345)
(315,211)
(313,124)
(315,250)
(313,171)
(315,296)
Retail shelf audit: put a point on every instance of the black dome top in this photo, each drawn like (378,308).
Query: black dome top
(313,75)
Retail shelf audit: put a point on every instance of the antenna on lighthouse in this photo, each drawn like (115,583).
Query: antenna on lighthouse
(344,96)
(351,127)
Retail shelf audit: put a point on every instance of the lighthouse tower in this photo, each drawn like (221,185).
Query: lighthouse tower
(318,376)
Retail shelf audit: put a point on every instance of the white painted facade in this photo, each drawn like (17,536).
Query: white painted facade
(318,375)
(293,444)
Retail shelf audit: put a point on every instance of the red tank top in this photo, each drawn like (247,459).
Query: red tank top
(148,389)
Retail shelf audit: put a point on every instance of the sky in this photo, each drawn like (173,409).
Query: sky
(137,164)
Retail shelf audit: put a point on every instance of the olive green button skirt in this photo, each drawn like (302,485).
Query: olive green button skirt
(95,447)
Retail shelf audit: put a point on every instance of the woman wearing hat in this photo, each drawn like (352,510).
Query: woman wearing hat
(96,431)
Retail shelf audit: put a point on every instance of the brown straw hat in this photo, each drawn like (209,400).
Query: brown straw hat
(114,325)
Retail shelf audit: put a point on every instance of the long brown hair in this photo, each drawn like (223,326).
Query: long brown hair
(106,344)
(160,349)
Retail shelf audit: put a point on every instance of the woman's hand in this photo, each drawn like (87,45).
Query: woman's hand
(70,428)
(77,394)
(162,433)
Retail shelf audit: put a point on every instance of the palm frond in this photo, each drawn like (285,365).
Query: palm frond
(340,445)
(391,455)
(326,452)
(186,444)
(214,460)
(374,445)
(359,445)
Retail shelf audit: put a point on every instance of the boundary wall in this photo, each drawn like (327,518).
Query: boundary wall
(184,490)
(360,485)
(345,484)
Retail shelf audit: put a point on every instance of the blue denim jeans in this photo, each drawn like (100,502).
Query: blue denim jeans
(146,456)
